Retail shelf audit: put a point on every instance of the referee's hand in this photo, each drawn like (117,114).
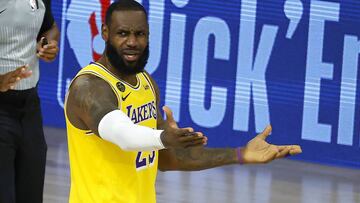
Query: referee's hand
(10,79)
(47,49)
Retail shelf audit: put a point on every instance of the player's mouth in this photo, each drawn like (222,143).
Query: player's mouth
(131,57)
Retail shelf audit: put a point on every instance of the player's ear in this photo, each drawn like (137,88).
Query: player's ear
(105,32)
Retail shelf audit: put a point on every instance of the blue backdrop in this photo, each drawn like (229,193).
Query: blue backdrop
(228,68)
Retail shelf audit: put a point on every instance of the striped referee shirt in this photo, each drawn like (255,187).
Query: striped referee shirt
(20,23)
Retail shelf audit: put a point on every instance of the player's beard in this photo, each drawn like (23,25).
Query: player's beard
(118,62)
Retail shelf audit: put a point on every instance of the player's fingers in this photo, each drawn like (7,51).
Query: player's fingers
(282,147)
(169,117)
(270,154)
(191,137)
(206,139)
(295,149)
(196,143)
(284,152)
(265,133)
(168,113)
(186,130)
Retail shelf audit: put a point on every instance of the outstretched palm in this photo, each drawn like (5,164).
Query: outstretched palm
(180,137)
(258,150)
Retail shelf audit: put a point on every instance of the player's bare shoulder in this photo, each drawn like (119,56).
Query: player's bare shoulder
(84,88)
(89,99)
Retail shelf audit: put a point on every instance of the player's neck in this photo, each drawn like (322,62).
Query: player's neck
(131,79)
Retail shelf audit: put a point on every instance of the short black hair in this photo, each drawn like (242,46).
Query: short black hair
(123,5)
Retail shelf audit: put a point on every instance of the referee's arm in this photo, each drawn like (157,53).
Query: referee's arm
(49,32)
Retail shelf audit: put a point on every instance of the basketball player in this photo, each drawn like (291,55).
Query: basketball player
(117,136)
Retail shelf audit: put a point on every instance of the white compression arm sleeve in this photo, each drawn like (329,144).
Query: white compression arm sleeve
(117,128)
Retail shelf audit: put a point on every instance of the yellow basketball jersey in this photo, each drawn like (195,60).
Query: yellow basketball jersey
(100,171)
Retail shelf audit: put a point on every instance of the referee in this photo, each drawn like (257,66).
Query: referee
(27,32)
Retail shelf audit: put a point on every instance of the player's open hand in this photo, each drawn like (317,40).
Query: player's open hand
(258,150)
(47,50)
(174,137)
(9,80)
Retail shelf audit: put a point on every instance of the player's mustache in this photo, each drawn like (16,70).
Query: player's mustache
(131,51)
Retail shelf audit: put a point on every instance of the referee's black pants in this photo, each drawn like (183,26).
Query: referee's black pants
(22,147)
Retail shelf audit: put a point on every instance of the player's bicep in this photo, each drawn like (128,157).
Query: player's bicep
(90,99)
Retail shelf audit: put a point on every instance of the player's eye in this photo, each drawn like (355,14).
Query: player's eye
(140,33)
(123,33)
